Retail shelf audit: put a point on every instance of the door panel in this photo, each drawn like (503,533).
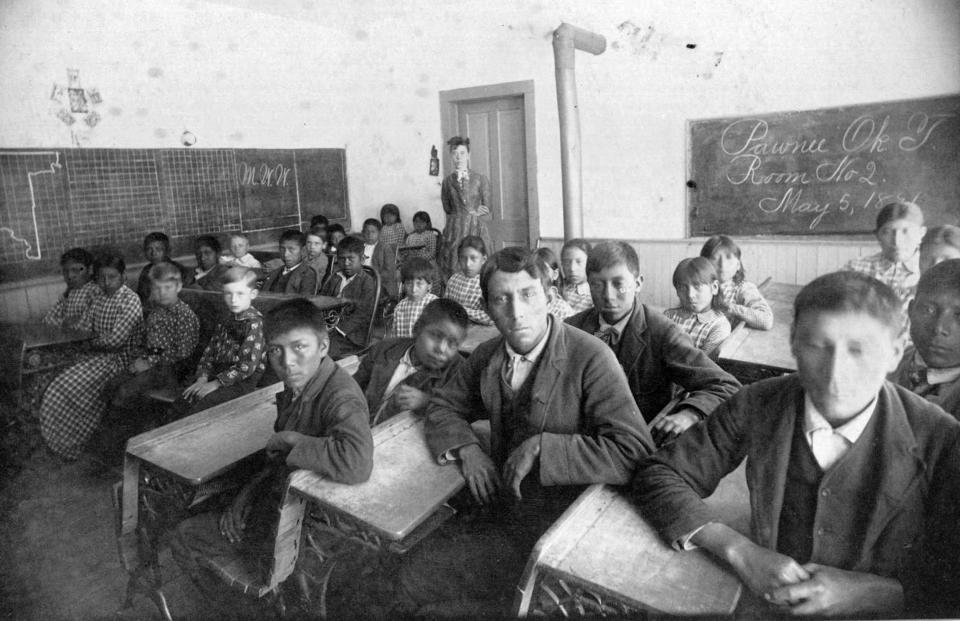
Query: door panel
(498,150)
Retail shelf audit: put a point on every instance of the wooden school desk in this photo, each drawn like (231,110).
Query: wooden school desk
(477,334)
(751,355)
(18,340)
(178,459)
(399,505)
(602,557)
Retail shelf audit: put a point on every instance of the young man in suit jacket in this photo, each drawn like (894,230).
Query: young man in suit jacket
(296,276)
(400,374)
(653,352)
(854,482)
(561,417)
(931,368)
(351,282)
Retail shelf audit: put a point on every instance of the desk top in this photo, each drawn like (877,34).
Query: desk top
(199,447)
(406,487)
(477,334)
(36,335)
(766,348)
(603,542)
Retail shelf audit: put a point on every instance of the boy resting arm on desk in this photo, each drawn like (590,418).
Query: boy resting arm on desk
(853,481)
(353,283)
(321,426)
(401,373)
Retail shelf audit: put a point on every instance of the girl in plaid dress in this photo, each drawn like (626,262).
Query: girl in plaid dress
(72,406)
(76,265)
(700,313)
(425,235)
(392,232)
(464,286)
(556,305)
(742,299)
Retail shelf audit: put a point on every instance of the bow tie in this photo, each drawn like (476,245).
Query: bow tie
(607,335)
(463,175)
(917,376)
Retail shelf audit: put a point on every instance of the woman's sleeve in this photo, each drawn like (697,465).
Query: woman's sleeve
(128,319)
(484,191)
(445,200)
(750,306)
(54,316)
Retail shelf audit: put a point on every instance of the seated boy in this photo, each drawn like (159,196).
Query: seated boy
(171,330)
(653,352)
(931,367)
(561,417)
(379,256)
(296,276)
(400,374)
(939,244)
(156,249)
(232,362)
(853,481)
(417,275)
(76,265)
(359,287)
(321,426)
(240,253)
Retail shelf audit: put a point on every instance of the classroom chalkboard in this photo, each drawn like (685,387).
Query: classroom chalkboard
(821,172)
(53,199)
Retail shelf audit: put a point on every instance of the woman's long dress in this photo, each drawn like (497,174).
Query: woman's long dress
(461,202)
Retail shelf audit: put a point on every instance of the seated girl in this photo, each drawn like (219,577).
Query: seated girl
(209,272)
(73,404)
(556,305)
(700,313)
(76,265)
(742,299)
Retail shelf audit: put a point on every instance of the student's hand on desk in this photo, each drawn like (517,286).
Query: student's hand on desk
(200,389)
(673,425)
(480,472)
(282,443)
(520,463)
(764,570)
(831,591)
(234,518)
(139,366)
(408,398)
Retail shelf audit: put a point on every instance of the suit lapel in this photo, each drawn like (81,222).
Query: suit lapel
(549,374)
(895,459)
(493,399)
(632,343)
(767,472)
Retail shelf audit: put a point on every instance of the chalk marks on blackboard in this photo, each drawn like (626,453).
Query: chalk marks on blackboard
(263,174)
(25,229)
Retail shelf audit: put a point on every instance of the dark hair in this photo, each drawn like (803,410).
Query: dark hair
(576,242)
(242,274)
(320,230)
(944,276)
(209,241)
(336,228)
(77,255)
(293,315)
(946,235)
(456,141)
(472,241)
(722,243)
(549,257)
(417,267)
(351,244)
(318,219)
(164,271)
(390,208)
(293,235)
(512,260)
(372,222)
(609,253)
(157,236)
(698,270)
(899,210)
(109,257)
(423,217)
(844,292)
(442,309)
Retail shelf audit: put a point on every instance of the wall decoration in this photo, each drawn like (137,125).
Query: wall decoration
(73,103)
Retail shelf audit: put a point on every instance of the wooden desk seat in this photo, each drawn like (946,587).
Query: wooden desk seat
(602,557)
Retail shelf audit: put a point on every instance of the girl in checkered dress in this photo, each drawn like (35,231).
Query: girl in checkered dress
(743,299)
(556,305)
(700,313)
(392,232)
(76,265)
(72,406)
(464,286)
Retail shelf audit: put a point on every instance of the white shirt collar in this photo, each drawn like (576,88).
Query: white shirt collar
(937,376)
(534,354)
(287,270)
(851,430)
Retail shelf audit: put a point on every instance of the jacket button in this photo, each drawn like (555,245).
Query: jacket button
(825,492)
(821,531)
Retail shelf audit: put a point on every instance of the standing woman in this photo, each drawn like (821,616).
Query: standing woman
(465,195)
(73,405)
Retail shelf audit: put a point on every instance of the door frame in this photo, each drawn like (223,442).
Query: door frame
(449,102)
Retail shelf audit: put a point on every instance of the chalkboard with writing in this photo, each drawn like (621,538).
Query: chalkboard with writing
(824,171)
(54,199)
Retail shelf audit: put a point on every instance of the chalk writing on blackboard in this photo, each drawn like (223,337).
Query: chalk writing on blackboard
(824,170)
(25,231)
(264,174)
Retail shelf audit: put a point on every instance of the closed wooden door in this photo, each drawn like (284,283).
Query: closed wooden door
(498,150)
